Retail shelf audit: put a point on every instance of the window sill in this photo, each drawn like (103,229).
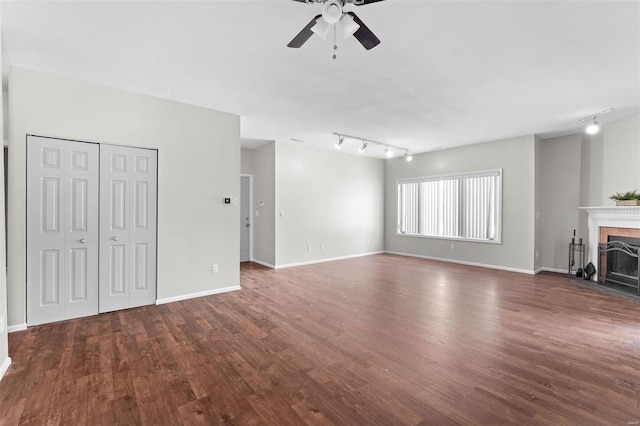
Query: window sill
(470,240)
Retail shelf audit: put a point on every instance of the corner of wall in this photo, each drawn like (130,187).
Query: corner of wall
(4,338)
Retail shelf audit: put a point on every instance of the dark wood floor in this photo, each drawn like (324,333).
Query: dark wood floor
(378,340)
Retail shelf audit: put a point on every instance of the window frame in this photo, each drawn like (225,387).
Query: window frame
(457,176)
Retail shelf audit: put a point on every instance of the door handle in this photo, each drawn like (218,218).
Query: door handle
(82,241)
(114,238)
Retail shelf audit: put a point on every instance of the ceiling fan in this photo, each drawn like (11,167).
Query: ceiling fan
(333,13)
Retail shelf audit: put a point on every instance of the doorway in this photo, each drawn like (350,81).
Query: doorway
(246,234)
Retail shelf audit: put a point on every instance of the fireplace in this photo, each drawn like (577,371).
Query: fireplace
(614,238)
(618,262)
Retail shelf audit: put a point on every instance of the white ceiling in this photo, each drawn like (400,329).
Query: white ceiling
(447,73)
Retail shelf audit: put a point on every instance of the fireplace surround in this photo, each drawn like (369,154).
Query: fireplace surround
(606,224)
(618,264)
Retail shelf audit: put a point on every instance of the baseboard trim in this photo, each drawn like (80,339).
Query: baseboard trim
(17,327)
(556,270)
(330,259)
(260,262)
(4,367)
(198,294)
(464,262)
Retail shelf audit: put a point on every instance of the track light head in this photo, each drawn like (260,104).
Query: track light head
(363,147)
(407,156)
(387,152)
(593,128)
(340,140)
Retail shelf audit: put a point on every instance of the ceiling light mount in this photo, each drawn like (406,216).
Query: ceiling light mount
(388,149)
(594,127)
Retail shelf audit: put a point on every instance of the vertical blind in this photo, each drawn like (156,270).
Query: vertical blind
(463,206)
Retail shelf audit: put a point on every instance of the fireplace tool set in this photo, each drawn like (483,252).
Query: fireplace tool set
(576,259)
(576,251)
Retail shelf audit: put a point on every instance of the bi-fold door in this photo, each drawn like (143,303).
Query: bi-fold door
(127,227)
(91,228)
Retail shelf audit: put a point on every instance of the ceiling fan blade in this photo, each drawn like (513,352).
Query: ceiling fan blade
(360,2)
(364,34)
(303,35)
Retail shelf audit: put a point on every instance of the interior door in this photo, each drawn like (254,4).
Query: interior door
(62,229)
(245,218)
(128,196)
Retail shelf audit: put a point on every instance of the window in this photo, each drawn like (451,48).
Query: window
(464,206)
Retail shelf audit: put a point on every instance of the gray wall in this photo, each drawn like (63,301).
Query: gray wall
(260,162)
(198,165)
(539,218)
(561,165)
(621,157)
(327,198)
(516,157)
(584,170)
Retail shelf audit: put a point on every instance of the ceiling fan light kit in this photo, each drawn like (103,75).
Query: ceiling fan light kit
(332,11)
(349,26)
(332,14)
(321,29)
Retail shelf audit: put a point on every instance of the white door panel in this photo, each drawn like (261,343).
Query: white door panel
(128,182)
(62,229)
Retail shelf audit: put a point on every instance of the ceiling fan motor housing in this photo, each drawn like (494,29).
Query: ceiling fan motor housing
(332,11)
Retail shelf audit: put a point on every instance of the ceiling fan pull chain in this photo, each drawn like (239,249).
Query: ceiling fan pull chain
(335,46)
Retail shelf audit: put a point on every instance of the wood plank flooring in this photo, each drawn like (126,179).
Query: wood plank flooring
(378,340)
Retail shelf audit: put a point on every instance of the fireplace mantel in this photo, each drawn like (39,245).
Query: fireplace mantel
(612,210)
(608,216)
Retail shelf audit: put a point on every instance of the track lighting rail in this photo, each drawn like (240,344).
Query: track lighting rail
(366,142)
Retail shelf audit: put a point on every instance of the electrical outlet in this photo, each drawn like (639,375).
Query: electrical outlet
(214,269)
(308,248)
(322,246)
(367,241)
(536,254)
(453,246)
(2,324)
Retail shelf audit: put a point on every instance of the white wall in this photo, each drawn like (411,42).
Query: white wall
(261,163)
(4,343)
(516,157)
(327,198)
(198,165)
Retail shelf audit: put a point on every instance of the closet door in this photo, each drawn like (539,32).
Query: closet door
(62,229)
(128,198)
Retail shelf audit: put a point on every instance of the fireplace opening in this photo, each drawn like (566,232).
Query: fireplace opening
(619,263)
